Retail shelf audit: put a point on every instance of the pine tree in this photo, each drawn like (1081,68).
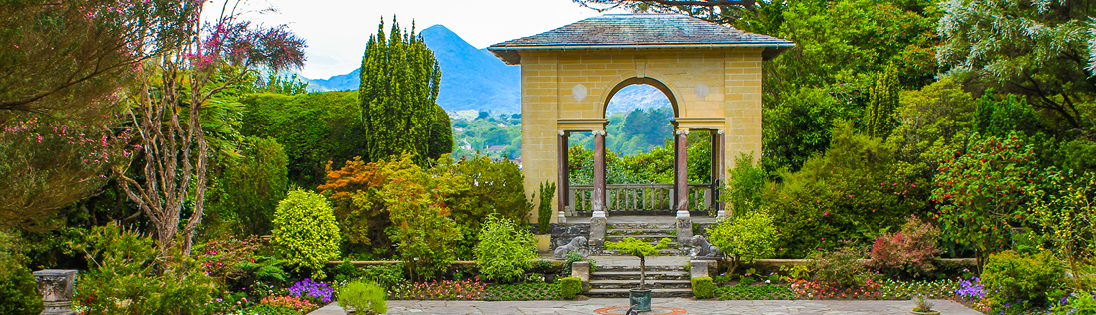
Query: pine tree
(884,99)
(399,87)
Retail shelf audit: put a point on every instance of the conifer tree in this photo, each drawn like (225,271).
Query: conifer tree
(441,134)
(399,86)
(884,99)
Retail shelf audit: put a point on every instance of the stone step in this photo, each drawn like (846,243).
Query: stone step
(651,284)
(623,293)
(634,275)
(635,268)
(629,226)
(665,231)
(646,238)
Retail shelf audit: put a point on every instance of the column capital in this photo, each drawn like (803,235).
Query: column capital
(682,131)
(562,133)
(719,131)
(598,132)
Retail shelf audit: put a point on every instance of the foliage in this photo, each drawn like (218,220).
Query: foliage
(18,291)
(855,192)
(703,288)
(884,99)
(810,116)
(298,306)
(743,190)
(1068,216)
(980,190)
(275,83)
(399,86)
(1031,48)
(544,208)
(1078,303)
(841,267)
(505,249)
(522,292)
(909,253)
(921,305)
(573,257)
(487,187)
(745,238)
(314,128)
(315,292)
(354,191)
(938,115)
(122,278)
(363,297)
(1026,280)
(754,292)
(53,163)
(305,233)
(255,184)
(569,287)
(441,135)
(233,263)
(386,275)
(422,226)
(468,289)
(641,249)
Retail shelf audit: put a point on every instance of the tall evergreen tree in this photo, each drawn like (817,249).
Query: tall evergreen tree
(399,86)
(884,99)
(441,134)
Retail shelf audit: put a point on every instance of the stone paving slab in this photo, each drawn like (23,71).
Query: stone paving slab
(764,307)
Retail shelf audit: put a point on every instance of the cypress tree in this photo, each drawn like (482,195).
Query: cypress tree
(399,87)
(884,99)
(441,134)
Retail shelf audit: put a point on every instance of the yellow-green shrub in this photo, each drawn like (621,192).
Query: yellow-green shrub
(703,287)
(305,233)
(570,287)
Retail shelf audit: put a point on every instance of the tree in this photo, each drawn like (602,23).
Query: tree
(67,56)
(981,191)
(255,184)
(884,99)
(1067,215)
(399,86)
(745,238)
(441,135)
(719,11)
(167,102)
(354,190)
(1038,49)
(641,249)
(424,232)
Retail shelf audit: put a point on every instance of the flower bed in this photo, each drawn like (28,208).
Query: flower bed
(522,292)
(470,289)
(755,292)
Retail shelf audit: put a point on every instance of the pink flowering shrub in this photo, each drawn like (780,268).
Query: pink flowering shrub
(907,254)
(470,289)
(302,306)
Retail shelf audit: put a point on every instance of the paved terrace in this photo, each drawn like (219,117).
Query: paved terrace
(660,307)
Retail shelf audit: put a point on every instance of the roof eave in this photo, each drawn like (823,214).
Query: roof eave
(509,54)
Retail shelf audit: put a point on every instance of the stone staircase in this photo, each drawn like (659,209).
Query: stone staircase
(648,232)
(663,280)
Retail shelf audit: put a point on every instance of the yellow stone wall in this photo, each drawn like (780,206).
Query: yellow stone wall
(549,102)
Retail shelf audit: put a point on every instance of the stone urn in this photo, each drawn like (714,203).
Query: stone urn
(924,313)
(640,299)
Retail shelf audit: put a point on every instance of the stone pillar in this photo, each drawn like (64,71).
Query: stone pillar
(581,270)
(597,232)
(563,182)
(719,171)
(698,268)
(56,287)
(598,199)
(681,183)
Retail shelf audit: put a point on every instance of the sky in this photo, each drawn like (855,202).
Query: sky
(336,30)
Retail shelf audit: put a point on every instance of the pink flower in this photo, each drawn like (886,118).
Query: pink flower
(827,213)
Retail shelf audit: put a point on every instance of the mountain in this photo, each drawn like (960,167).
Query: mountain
(470,78)
(474,79)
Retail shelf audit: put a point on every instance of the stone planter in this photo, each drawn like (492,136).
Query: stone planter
(640,299)
(924,313)
(544,242)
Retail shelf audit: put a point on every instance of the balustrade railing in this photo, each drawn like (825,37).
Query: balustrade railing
(637,198)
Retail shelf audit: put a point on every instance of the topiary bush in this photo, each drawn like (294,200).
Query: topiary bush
(703,287)
(1011,278)
(544,208)
(363,297)
(569,287)
(504,251)
(305,233)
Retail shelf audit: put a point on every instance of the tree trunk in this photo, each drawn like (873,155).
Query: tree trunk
(642,273)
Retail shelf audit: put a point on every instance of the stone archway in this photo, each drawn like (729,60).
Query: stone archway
(711,73)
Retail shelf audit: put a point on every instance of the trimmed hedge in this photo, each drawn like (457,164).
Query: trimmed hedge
(703,287)
(570,287)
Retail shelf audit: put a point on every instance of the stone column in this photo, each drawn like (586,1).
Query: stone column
(698,268)
(581,269)
(681,181)
(719,171)
(563,182)
(598,221)
(56,287)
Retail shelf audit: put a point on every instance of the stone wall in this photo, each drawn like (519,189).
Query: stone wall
(562,233)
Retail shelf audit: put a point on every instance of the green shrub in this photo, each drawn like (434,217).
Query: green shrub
(384,275)
(1078,303)
(126,275)
(842,267)
(544,209)
(253,186)
(422,224)
(504,251)
(569,287)
(743,239)
(703,288)
(305,233)
(1032,280)
(19,293)
(364,297)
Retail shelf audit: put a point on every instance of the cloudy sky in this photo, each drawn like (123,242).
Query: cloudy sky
(336,30)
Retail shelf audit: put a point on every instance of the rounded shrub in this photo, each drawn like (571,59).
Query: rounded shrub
(1009,277)
(703,287)
(305,233)
(19,293)
(363,297)
(504,251)
(570,287)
